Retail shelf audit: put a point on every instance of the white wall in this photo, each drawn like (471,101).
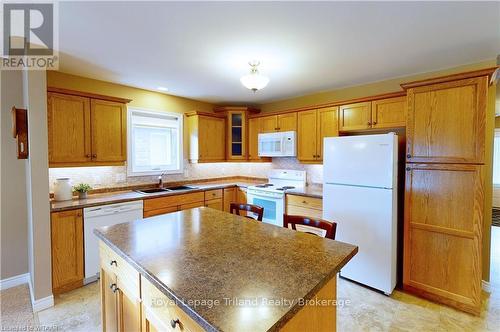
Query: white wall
(37,189)
(13,222)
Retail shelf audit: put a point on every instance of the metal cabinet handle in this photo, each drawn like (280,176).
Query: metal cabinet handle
(369,123)
(174,322)
(304,202)
(113,288)
(375,122)
(113,262)
(87,155)
(94,156)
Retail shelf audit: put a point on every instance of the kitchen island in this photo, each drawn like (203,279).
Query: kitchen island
(203,269)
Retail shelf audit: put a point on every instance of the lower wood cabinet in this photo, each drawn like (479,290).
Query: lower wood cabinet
(67,250)
(120,293)
(304,206)
(229,197)
(443,226)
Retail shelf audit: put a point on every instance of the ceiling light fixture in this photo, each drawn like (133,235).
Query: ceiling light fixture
(162,88)
(254,81)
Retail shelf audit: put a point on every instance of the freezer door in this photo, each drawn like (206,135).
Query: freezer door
(367,160)
(365,217)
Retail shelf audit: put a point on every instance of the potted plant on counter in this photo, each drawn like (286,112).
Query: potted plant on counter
(82,189)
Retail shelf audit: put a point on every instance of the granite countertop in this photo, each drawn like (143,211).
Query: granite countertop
(206,254)
(315,191)
(130,195)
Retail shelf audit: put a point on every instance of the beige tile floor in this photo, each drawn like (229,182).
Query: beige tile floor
(367,310)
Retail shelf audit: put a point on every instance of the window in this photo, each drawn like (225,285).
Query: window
(496,159)
(155,142)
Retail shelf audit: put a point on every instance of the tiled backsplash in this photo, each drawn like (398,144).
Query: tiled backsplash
(116,176)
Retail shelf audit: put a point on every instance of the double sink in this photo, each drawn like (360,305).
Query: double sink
(161,190)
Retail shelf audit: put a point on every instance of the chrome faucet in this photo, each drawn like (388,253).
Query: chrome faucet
(160,180)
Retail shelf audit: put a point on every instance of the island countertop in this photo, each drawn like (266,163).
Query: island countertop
(206,254)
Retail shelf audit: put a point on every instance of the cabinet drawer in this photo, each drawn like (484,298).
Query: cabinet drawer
(160,310)
(214,204)
(306,202)
(213,194)
(302,211)
(174,200)
(126,274)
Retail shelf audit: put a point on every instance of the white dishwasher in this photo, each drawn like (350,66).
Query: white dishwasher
(101,216)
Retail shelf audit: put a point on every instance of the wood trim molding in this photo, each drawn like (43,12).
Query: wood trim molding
(213,115)
(88,95)
(454,77)
(250,110)
(332,104)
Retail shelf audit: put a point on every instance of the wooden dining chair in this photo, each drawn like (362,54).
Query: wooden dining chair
(235,208)
(318,227)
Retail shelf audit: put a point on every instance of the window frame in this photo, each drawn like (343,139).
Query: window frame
(180,118)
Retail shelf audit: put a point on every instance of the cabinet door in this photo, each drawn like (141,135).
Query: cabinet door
(229,197)
(68,119)
(215,204)
(389,113)
(355,116)
(237,135)
(67,250)
(241,195)
(268,124)
(442,233)
(129,309)
(328,126)
(446,122)
(306,135)
(287,122)
(109,131)
(211,140)
(253,139)
(109,302)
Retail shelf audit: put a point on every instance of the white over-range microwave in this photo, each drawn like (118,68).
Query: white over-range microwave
(281,144)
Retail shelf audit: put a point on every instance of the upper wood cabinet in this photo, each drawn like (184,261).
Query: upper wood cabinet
(312,127)
(377,114)
(446,122)
(355,116)
(69,132)
(280,122)
(253,139)
(237,135)
(389,113)
(109,130)
(207,137)
(84,130)
(67,250)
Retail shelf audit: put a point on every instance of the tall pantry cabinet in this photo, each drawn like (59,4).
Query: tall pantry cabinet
(445,189)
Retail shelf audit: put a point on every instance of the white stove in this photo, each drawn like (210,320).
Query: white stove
(271,195)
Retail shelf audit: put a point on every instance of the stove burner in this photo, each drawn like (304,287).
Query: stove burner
(265,185)
(285,188)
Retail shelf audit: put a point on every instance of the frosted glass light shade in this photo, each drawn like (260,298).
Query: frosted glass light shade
(254,81)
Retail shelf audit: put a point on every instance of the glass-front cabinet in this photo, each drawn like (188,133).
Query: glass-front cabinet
(237,131)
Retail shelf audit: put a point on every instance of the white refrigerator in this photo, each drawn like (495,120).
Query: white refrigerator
(360,194)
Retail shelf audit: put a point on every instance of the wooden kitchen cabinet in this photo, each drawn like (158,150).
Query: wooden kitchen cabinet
(207,137)
(389,113)
(448,230)
(376,114)
(67,250)
(355,116)
(280,122)
(86,129)
(312,127)
(109,131)
(120,293)
(304,206)
(230,196)
(68,119)
(446,122)
(172,203)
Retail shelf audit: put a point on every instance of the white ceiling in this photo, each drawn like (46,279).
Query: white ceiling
(200,50)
